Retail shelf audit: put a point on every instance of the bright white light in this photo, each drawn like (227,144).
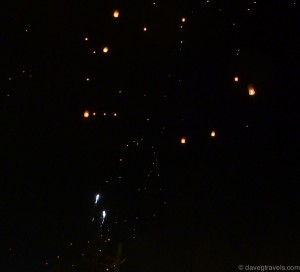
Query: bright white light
(97,198)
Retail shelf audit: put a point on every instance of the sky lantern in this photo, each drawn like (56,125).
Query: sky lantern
(86,114)
(236,79)
(86,38)
(213,134)
(183,140)
(251,89)
(105,49)
(183,20)
(145,29)
(116,14)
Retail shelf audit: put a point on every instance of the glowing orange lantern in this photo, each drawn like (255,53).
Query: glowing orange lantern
(105,49)
(183,140)
(251,89)
(213,134)
(236,79)
(116,13)
(86,114)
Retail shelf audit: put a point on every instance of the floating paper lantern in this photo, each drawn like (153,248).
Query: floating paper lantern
(116,14)
(183,140)
(86,114)
(213,134)
(251,89)
(236,79)
(105,49)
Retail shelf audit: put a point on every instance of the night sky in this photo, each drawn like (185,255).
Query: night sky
(183,116)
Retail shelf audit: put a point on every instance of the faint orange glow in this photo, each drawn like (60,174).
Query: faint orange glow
(251,89)
(145,28)
(116,13)
(236,79)
(213,134)
(86,114)
(94,113)
(183,140)
(183,20)
(86,38)
(105,49)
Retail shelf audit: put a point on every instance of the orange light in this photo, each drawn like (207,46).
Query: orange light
(105,49)
(251,89)
(236,79)
(183,140)
(183,20)
(86,114)
(116,13)
(213,134)
(145,29)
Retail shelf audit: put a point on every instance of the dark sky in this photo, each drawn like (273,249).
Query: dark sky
(210,204)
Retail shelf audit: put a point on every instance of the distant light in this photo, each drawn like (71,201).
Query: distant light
(115,114)
(183,140)
(213,134)
(86,38)
(236,79)
(105,49)
(251,89)
(104,113)
(145,29)
(86,114)
(87,79)
(116,14)
(94,113)
(183,20)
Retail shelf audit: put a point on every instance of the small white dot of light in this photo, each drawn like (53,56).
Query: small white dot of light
(137,143)
(94,52)
(9,78)
(26,30)
(181,41)
(153,3)
(86,38)
(248,9)
(233,24)
(105,49)
(115,114)
(46,263)
(100,250)
(120,92)
(108,239)
(94,113)
(23,71)
(148,119)
(127,145)
(145,29)
(181,26)
(106,181)
(121,159)
(72,265)
(88,242)
(71,244)
(7,95)
(183,20)
(120,177)
(133,141)
(104,113)
(87,79)
(158,175)
(57,257)
(145,95)
(136,218)
(236,79)
(82,254)
(139,189)
(213,134)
